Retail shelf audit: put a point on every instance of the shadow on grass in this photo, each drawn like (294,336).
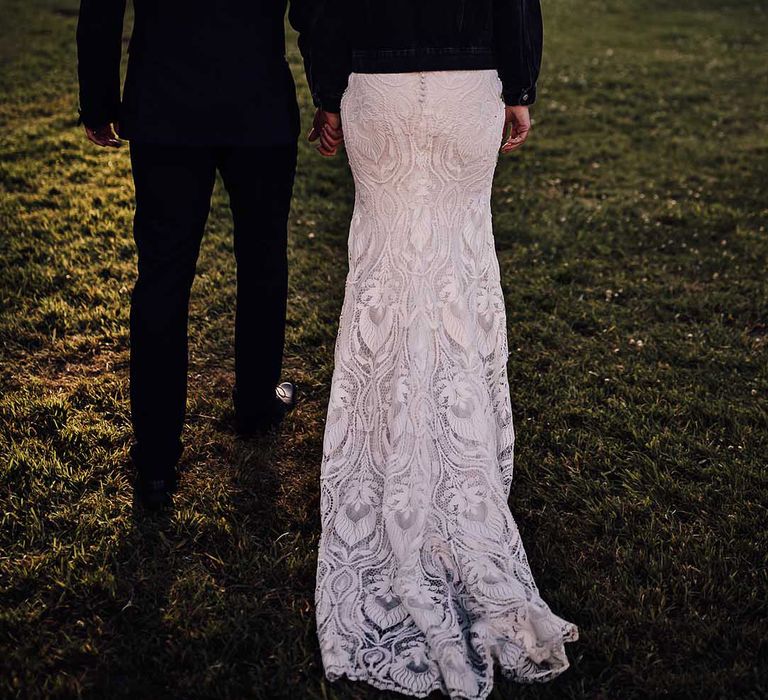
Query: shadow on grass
(189,585)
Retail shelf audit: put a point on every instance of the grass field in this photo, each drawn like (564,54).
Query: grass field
(632,239)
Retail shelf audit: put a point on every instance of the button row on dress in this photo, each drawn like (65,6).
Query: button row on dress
(422,87)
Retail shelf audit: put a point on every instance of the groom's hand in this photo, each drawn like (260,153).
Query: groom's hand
(517,127)
(326,128)
(105,136)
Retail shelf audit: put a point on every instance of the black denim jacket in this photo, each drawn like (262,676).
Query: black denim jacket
(397,36)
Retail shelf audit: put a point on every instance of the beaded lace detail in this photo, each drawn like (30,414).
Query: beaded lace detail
(423,582)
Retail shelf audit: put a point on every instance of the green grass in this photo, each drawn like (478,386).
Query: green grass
(632,239)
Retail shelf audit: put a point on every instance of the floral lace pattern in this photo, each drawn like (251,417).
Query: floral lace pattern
(423,582)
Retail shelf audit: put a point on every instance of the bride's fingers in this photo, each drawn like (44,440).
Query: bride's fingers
(329,139)
(521,135)
(506,134)
(334,130)
(336,136)
(326,153)
(516,138)
(512,144)
(326,149)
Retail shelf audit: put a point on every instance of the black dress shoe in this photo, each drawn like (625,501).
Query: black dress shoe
(286,393)
(262,422)
(155,493)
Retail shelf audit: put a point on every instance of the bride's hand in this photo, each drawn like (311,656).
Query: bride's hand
(517,126)
(326,128)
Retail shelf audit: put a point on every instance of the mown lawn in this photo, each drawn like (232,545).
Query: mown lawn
(632,238)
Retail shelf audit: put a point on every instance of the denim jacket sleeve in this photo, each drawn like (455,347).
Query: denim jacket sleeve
(331,55)
(99,50)
(517,43)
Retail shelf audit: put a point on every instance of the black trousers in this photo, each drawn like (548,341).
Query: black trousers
(174,185)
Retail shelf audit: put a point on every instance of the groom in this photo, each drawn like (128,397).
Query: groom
(207,89)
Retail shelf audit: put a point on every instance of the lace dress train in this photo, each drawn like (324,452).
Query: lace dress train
(423,582)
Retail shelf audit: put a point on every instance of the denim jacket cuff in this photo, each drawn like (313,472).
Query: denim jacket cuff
(519,96)
(328,103)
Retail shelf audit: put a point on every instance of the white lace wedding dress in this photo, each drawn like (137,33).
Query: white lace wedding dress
(423,582)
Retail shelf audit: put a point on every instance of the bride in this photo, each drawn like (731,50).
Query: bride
(423,582)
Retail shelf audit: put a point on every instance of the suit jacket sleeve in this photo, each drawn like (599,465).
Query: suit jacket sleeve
(99,50)
(302,14)
(331,55)
(518,42)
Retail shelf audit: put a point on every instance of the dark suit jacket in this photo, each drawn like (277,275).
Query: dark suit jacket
(199,71)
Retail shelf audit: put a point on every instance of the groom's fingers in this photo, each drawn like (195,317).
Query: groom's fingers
(314,134)
(104,136)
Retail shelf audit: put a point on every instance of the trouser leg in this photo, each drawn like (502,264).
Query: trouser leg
(173,193)
(259,181)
